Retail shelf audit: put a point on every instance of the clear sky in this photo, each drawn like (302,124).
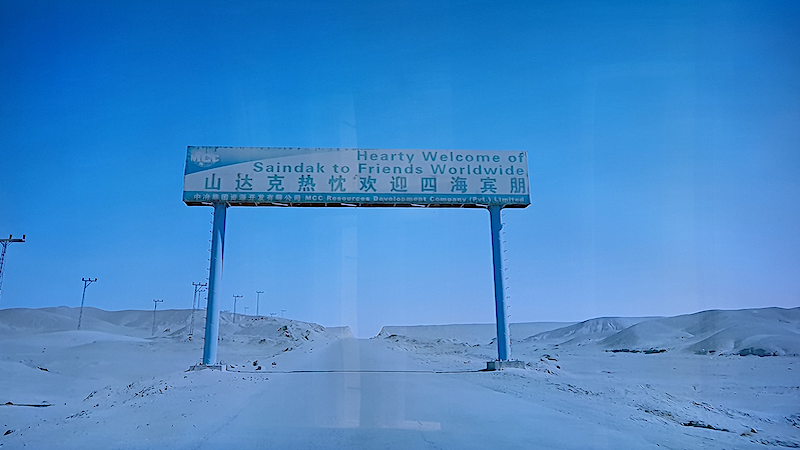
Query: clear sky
(663,141)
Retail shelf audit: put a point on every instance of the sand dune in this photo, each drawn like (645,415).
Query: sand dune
(763,332)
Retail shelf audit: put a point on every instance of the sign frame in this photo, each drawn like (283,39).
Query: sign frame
(208,167)
(255,176)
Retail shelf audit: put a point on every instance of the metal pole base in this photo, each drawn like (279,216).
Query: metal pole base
(198,367)
(500,365)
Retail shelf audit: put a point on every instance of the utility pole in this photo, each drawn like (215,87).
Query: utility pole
(245,310)
(86,283)
(235,297)
(4,243)
(283,311)
(258,298)
(198,287)
(155,306)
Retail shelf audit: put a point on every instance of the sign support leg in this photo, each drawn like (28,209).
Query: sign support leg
(214,285)
(503,339)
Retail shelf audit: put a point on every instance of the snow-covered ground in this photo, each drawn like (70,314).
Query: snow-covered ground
(715,379)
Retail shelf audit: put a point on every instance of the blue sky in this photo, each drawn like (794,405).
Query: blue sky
(663,141)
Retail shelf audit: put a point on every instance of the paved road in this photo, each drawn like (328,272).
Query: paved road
(390,410)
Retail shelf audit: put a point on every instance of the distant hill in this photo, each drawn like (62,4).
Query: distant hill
(762,332)
(169,323)
(474,333)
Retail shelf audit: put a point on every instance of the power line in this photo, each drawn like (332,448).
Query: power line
(5,243)
(86,283)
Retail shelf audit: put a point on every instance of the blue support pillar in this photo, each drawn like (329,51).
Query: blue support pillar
(503,338)
(214,285)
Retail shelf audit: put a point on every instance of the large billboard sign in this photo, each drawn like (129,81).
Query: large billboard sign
(267,176)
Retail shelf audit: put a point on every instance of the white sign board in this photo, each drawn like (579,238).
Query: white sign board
(266,176)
